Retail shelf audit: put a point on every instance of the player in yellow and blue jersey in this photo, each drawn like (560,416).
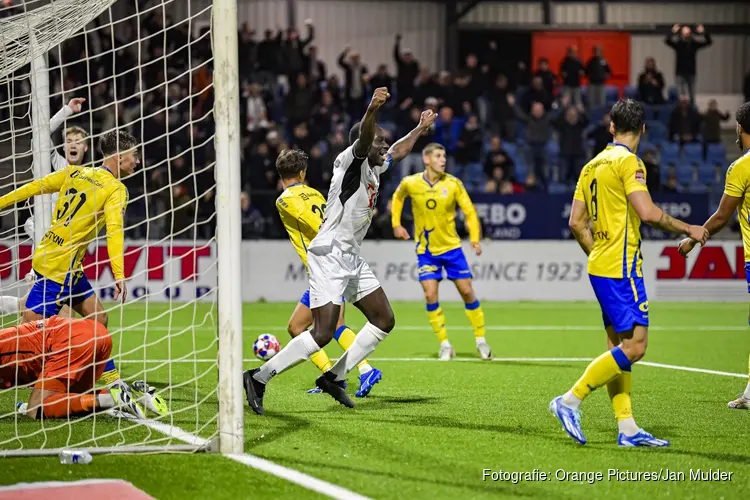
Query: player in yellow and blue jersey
(610,202)
(89,198)
(434,197)
(736,197)
(302,210)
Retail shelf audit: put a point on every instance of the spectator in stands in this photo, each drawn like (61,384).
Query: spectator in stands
(653,182)
(469,144)
(531,185)
(684,122)
(337,142)
(598,72)
(463,98)
(248,51)
(426,87)
(501,114)
(325,114)
(498,158)
(447,131)
(253,223)
(293,50)
(314,176)
(407,70)
(257,119)
(570,125)
(686,46)
(315,68)
(671,185)
(651,83)
(571,71)
(445,88)
(269,53)
(261,167)
(381,78)
(477,77)
(537,93)
(538,133)
(302,139)
(333,85)
(712,119)
(548,77)
(601,135)
(523,76)
(491,62)
(299,101)
(355,78)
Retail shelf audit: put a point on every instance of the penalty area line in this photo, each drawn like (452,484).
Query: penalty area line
(291,475)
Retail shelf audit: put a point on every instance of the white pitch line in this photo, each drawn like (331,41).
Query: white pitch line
(293,476)
(694,370)
(499,328)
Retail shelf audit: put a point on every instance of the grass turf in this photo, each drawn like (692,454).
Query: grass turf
(428,429)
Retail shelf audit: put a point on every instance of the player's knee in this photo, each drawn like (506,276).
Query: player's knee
(322,336)
(294,329)
(102,317)
(386,321)
(430,296)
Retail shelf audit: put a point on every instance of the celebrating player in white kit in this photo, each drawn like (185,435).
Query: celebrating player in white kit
(337,272)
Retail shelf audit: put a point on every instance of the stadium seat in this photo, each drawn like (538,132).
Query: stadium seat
(663,113)
(520,132)
(692,153)
(697,187)
(656,132)
(558,188)
(631,92)
(685,174)
(670,153)
(645,147)
(673,95)
(708,173)
(473,174)
(612,93)
(716,154)
(520,171)
(664,171)
(597,115)
(584,93)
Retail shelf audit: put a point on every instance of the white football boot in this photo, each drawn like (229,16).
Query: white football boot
(484,349)
(446,351)
(741,403)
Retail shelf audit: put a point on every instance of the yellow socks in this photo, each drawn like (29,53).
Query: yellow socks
(110,374)
(476,317)
(619,392)
(437,321)
(321,360)
(599,372)
(345,337)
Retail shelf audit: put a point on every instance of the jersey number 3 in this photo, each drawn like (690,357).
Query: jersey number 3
(74,200)
(594,208)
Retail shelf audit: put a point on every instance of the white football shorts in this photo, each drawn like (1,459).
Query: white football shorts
(334,274)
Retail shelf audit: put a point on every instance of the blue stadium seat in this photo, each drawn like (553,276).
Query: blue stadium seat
(511,148)
(673,95)
(685,174)
(697,187)
(520,132)
(716,154)
(474,175)
(670,153)
(656,132)
(552,150)
(692,153)
(664,171)
(664,112)
(520,171)
(584,93)
(645,147)
(631,92)
(612,93)
(558,188)
(708,173)
(597,114)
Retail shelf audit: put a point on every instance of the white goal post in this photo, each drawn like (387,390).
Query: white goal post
(167,72)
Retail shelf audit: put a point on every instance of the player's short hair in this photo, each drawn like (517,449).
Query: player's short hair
(743,117)
(354,133)
(291,162)
(77,131)
(115,141)
(432,147)
(628,116)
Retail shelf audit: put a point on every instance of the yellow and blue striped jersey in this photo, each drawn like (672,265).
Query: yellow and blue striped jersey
(604,185)
(434,209)
(89,198)
(302,210)
(738,185)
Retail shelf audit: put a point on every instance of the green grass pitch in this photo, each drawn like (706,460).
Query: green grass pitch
(429,428)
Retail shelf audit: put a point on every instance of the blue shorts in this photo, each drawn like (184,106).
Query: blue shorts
(623,301)
(47,297)
(305,299)
(747,275)
(454,262)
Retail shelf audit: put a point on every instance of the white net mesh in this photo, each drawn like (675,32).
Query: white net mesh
(114,65)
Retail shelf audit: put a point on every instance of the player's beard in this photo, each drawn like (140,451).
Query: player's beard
(739,140)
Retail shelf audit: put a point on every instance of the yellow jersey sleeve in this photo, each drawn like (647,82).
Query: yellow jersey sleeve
(632,173)
(48,184)
(397,204)
(578,195)
(114,212)
(467,207)
(736,183)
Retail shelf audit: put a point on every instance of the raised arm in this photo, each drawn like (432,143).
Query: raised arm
(342,58)
(397,51)
(472,221)
(403,146)
(114,211)
(367,125)
(397,206)
(310,34)
(671,39)
(706,41)
(48,184)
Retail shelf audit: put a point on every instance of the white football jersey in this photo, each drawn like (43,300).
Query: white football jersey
(352,198)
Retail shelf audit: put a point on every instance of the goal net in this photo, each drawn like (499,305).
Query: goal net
(70,71)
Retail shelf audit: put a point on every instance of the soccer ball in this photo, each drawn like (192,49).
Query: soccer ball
(266,347)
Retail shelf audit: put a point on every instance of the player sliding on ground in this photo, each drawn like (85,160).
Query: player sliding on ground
(610,201)
(89,198)
(62,358)
(434,196)
(302,210)
(736,197)
(336,268)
